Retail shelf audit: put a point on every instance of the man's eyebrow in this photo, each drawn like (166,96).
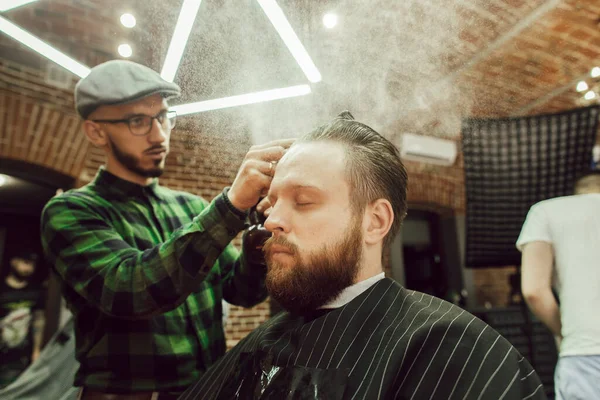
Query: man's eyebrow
(294,187)
(137,114)
(306,186)
(130,115)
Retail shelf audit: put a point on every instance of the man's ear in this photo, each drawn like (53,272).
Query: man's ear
(95,135)
(378,219)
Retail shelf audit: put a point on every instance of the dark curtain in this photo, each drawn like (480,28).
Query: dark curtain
(513,163)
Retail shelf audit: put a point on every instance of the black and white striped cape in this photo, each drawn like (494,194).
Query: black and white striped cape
(387,343)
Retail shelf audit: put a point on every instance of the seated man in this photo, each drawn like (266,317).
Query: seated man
(338,198)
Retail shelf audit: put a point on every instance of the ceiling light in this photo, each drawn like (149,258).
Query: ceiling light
(590,95)
(3,179)
(6,5)
(125,50)
(595,72)
(183,28)
(128,20)
(582,86)
(43,48)
(285,30)
(330,20)
(243,99)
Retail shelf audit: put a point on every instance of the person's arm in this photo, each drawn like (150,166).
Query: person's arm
(120,280)
(536,283)
(38,331)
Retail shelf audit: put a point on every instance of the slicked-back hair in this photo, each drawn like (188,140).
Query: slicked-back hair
(589,182)
(373,166)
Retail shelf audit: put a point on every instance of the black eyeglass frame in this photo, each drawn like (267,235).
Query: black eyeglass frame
(166,115)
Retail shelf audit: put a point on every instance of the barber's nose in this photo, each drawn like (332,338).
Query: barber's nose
(158,134)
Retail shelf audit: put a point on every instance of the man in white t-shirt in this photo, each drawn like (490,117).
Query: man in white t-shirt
(560,242)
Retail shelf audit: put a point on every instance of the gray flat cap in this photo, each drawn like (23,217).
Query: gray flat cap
(119,82)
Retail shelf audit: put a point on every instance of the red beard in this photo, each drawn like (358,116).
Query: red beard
(301,287)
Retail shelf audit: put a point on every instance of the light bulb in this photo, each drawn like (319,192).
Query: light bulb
(590,95)
(581,86)
(128,20)
(330,20)
(125,50)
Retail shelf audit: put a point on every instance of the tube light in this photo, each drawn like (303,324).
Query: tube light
(43,48)
(286,32)
(6,5)
(243,99)
(186,19)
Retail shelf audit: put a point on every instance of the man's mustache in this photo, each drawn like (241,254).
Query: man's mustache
(155,149)
(279,241)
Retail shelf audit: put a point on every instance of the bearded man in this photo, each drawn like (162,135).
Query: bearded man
(337,200)
(145,268)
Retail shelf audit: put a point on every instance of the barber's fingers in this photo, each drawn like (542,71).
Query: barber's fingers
(285,143)
(263,206)
(264,167)
(267,154)
(254,176)
(272,151)
(251,183)
(267,212)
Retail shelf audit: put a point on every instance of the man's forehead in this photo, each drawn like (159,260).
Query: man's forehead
(316,164)
(141,106)
(326,153)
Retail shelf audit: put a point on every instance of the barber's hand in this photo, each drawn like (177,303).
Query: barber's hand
(254,176)
(264,207)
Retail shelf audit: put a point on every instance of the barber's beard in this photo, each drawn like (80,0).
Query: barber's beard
(310,282)
(132,163)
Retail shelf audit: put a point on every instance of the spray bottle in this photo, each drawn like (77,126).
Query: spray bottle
(254,238)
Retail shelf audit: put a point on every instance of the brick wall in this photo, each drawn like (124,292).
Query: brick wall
(489,65)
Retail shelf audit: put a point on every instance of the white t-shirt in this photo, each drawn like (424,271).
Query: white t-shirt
(572,225)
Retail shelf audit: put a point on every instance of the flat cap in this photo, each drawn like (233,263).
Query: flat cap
(119,82)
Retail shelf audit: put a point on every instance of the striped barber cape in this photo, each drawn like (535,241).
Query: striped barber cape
(387,343)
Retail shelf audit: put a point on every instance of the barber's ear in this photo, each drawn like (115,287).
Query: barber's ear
(94,133)
(378,220)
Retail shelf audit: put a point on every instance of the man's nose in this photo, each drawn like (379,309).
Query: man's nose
(158,134)
(277,221)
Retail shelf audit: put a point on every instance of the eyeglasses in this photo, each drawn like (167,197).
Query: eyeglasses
(141,125)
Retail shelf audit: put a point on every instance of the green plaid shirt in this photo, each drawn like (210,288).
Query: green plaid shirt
(144,271)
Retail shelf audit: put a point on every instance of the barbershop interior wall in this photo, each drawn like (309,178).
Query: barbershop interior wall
(38,125)
(203,160)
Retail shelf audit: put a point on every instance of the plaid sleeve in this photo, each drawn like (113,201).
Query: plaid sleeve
(122,281)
